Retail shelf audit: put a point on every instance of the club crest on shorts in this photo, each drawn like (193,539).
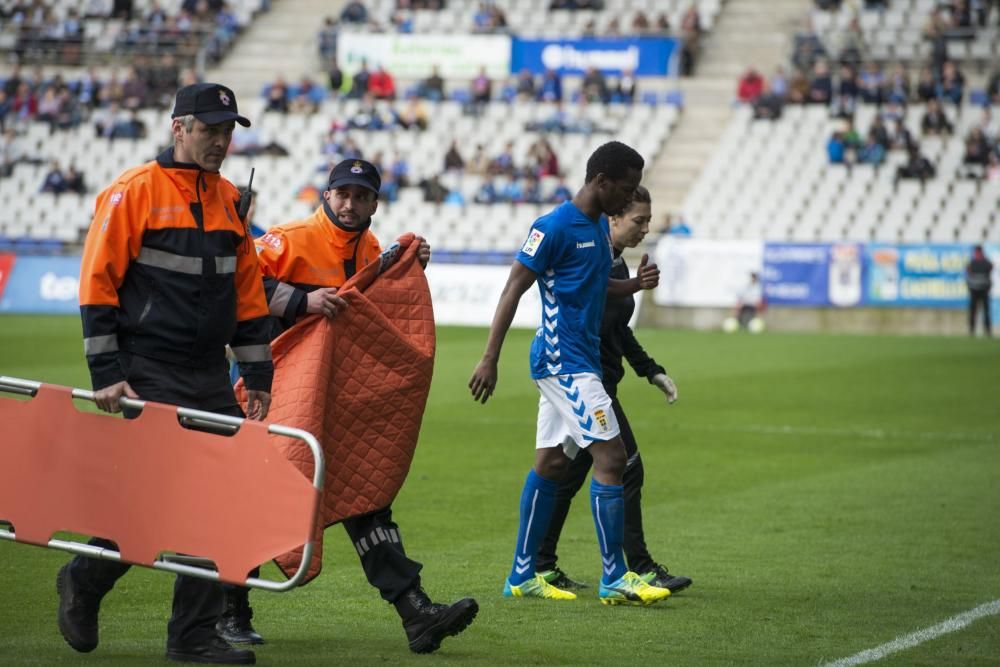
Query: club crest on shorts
(534,240)
(602,420)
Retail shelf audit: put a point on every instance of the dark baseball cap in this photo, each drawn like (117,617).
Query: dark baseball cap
(211,103)
(356,172)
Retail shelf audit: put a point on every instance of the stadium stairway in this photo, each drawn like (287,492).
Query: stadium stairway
(757,32)
(282,41)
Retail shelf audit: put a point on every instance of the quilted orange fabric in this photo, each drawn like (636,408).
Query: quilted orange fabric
(359,383)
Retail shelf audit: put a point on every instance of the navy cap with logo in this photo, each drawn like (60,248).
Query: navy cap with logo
(211,103)
(356,172)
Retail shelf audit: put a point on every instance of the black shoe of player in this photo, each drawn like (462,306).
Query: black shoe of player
(234,625)
(216,651)
(77,614)
(660,578)
(560,579)
(427,623)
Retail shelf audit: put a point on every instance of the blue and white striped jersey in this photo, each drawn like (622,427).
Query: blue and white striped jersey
(571,254)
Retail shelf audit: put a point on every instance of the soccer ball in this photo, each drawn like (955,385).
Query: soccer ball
(756,325)
(730,325)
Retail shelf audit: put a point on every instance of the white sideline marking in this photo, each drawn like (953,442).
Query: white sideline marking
(920,636)
(871,433)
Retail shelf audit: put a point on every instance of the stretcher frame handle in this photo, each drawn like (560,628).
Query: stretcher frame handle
(192,566)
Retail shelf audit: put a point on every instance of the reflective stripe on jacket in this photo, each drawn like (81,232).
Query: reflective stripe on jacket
(168,272)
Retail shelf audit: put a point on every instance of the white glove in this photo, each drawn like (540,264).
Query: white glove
(666,385)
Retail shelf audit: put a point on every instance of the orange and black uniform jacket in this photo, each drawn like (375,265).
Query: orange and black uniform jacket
(168,272)
(299,257)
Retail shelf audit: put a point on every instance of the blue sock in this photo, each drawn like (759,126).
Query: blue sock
(608,506)
(537,500)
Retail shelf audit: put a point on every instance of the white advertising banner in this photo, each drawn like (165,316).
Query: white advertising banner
(467,295)
(415,55)
(705,272)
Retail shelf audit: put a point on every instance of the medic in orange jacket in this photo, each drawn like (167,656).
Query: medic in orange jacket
(168,272)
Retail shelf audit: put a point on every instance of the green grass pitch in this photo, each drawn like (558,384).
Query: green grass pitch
(827,494)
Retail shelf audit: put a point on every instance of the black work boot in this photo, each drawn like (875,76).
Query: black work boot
(427,623)
(216,651)
(77,613)
(234,624)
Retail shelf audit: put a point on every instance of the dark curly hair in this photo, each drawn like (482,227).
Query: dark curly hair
(613,159)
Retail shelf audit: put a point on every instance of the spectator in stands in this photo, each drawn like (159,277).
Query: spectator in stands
(486,194)
(55,180)
(926,85)
(11,150)
(400,170)
(662,25)
(626,86)
(935,122)
(821,85)
(13,81)
(504,162)
(847,91)
(993,168)
(413,115)
(977,149)
(481,88)
(544,157)
(482,19)
(873,151)
(768,105)
(595,86)
(354,12)
(24,106)
(880,132)
(74,181)
(326,40)
(917,166)
(525,87)
(676,226)
(134,90)
(952,84)
(561,194)
(434,192)
(360,82)
(871,83)
(277,96)
(382,85)
(6,106)
(750,87)
(993,85)
(370,117)
(902,138)
(690,39)
(432,88)
(848,44)
(779,83)
(807,48)
(480,162)
(798,87)
(453,160)
(307,98)
(896,87)
(836,149)
(640,23)
(551,89)
(335,75)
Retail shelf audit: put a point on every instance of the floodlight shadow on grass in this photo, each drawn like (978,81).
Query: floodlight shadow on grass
(82,472)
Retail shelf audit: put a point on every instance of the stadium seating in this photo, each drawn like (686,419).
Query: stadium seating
(771,179)
(25,212)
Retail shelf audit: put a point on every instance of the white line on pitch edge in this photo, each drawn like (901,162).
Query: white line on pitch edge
(920,636)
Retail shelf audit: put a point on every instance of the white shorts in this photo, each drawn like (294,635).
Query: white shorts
(574,410)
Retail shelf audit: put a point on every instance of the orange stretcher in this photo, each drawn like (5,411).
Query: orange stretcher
(211,503)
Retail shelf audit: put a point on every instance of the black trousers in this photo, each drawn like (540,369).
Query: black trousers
(379,544)
(636,552)
(980,299)
(197,603)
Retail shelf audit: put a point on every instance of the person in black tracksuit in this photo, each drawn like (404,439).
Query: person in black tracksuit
(617,341)
(978,278)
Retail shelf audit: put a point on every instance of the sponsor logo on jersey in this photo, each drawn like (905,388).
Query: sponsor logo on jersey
(588,244)
(116,198)
(531,245)
(602,420)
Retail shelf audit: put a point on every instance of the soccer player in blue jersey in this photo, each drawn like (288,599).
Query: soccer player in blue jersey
(568,253)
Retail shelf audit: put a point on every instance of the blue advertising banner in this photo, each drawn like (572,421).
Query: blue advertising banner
(812,274)
(925,275)
(42,285)
(645,56)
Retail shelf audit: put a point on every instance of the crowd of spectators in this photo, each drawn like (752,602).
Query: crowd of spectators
(60,181)
(31,97)
(45,33)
